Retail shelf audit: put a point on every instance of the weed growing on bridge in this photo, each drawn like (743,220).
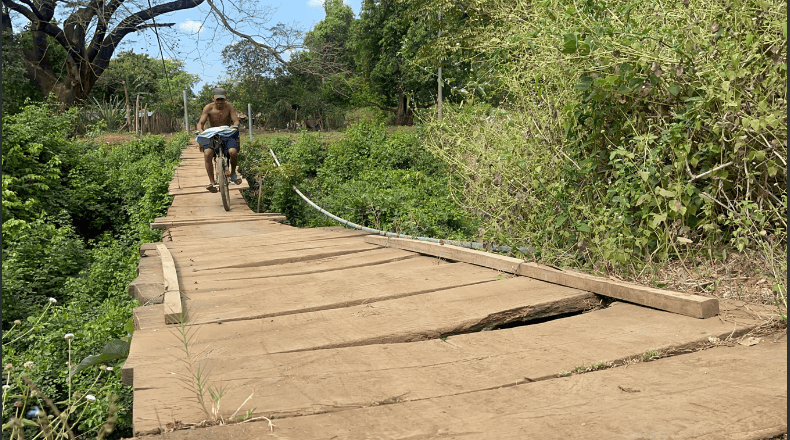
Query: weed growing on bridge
(197,380)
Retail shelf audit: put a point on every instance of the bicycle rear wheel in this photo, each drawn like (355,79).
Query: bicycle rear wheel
(222,179)
(225,188)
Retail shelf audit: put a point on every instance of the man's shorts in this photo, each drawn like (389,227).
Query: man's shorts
(228,143)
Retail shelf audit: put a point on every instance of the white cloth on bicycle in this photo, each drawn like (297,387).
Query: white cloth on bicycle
(203,139)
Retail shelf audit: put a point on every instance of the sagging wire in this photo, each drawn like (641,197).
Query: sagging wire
(465,244)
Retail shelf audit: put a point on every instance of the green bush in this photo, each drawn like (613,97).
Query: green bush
(369,177)
(75,213)
(631,132)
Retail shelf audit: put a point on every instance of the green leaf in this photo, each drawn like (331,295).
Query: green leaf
(643,199)
(674,90)
(583,227)
(658,218)
(129,326)
(561,220)
(584,83)
(114,350)
(644,175)
(665,193)
(569,44)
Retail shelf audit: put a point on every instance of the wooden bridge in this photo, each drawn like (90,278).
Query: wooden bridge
(334,334)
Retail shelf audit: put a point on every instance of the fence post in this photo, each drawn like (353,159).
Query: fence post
(260,191)
(249,116)
(137,114)
(186,113)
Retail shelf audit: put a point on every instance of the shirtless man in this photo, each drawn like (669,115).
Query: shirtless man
(221,112)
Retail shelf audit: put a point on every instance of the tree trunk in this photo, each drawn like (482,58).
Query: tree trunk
(405,113)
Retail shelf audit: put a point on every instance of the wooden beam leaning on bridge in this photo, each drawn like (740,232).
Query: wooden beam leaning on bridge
(174,311)
(676,302)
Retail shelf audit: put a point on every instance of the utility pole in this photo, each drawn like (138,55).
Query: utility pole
(186,113)
(440,71)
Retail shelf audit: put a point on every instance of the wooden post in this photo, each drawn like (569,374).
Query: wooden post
(260,191)
(186,113)
(146,121)
(128,113)
(137,115)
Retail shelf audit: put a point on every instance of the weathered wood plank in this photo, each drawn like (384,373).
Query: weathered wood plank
(677,302)
(201,222)
(310,382)
(174,311)
(713,394)
(414,318)
(226,300)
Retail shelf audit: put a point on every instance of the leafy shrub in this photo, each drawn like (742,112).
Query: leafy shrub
(73,235)
(383,181)
(628,134)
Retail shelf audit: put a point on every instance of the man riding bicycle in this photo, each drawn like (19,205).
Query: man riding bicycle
(221,112)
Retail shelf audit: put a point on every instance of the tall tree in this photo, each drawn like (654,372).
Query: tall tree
(382,36)
(91,31)
(142,73)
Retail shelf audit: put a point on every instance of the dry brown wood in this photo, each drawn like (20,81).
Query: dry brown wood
(185,222)
(676,302)
(310,382)
(174,312)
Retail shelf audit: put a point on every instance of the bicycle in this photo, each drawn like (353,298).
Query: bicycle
(221,159)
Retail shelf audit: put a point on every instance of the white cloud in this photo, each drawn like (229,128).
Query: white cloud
(191,26)
(315,3)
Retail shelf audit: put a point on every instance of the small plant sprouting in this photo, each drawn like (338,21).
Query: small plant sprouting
(564,374)
(196,379)
(650,355)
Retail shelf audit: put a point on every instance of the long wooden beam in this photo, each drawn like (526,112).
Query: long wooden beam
(174,311)
(676,302)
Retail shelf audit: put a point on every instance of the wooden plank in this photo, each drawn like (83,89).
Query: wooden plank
(173,309)
(273,241)
(414,318)
(225,300)
(184,222)
(310,382)
(301,268)
(269,255)
(676,302)
(721,393)
(171,218)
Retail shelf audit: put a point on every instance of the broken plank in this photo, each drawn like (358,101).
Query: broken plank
(414,318)
(676,302)
(173,310)
(713,394)
(310,382)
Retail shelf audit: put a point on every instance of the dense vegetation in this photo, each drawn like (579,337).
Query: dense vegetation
(74,215)
(607,135)
(370,177)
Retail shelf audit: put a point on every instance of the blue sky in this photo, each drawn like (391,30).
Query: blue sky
(208,65)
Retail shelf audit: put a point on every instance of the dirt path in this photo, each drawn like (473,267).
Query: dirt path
(339,338)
